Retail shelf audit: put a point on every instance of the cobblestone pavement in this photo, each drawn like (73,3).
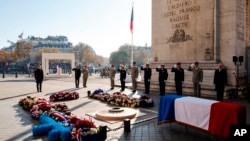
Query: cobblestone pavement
(16,124)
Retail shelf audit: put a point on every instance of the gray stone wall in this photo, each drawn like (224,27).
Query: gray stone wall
(208,31)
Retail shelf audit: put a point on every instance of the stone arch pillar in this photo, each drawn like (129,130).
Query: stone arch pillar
(47,56)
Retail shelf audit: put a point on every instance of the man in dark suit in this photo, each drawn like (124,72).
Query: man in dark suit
(123,75)
(147,76)
(178,77)
(163,76)
(220,80)
(39,78)
(77,75)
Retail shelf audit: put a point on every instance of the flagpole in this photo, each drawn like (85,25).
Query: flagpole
(132,50)
(132,33)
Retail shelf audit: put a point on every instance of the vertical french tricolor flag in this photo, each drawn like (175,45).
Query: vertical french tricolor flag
(132,19)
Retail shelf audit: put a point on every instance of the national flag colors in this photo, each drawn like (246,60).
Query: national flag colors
(132,19)
(212,116)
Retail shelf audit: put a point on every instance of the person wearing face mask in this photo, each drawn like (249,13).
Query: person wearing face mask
(163,76)
(197,78)
(178,77)
(220,80)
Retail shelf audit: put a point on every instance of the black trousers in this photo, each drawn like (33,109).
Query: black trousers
(162,87)
(122,84)
(77,82)
(147,85)
(39,86)
(178,87)
(220,92)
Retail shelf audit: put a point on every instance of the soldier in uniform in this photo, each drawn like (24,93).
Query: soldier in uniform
(147,76)
(178,77)
(197,78)
(39,78)
(112,76)
(163,76)
(85,76)
(134,76)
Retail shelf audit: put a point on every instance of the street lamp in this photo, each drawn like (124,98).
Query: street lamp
(237,62)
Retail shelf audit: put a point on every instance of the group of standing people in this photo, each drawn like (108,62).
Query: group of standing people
(220,78)
(78,73)
(123,74)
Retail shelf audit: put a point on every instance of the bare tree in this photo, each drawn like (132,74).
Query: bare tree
(22,50)
(38,55)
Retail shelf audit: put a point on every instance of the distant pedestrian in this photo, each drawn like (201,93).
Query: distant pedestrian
(123,74)
(112,76)
(134,76)
(77,75)
(163,76)
(39,78)
(147,76)
(178,77)
(197,78)
(85,76)
(220,81)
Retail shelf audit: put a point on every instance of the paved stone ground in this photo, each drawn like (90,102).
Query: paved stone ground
(16,124)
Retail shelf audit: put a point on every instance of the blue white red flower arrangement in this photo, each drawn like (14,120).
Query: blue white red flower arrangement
(57,121)
(64,95)
(123,100)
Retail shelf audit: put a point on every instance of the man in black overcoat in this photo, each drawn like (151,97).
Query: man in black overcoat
(163,76)
(39,78)
(77,75)
(147,76)
(178,77)
(123,75)
(220,81)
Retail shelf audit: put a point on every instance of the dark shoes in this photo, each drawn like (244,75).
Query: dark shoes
(134,91)
(111,88)
(122,90)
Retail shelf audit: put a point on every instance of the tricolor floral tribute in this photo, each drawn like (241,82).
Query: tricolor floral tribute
(59,112)
(121,99)
(64,95)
